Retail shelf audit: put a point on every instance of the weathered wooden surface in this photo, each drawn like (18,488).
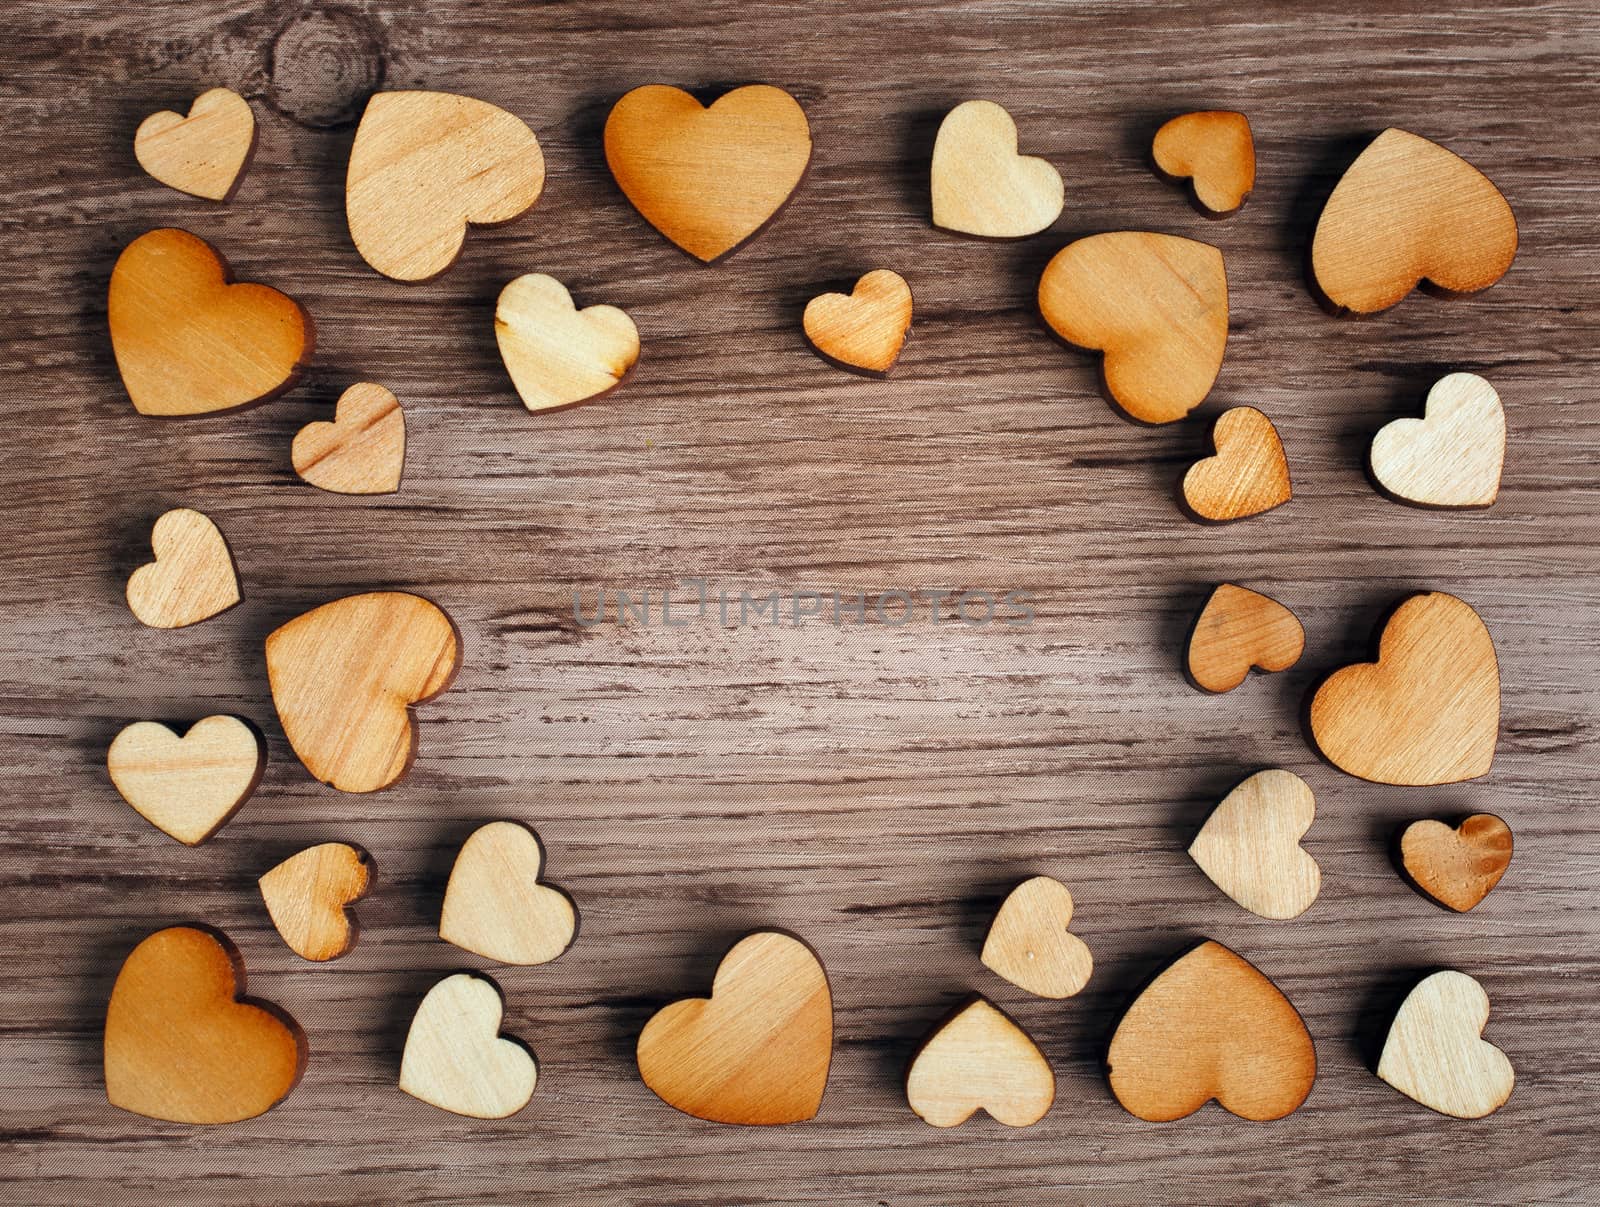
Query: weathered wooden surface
(876,789)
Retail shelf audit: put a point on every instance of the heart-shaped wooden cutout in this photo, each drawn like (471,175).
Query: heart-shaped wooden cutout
(758,1049)
(494,905)
(1435,1052)
(1155,305)
(708,178)
(1451,457)
(1456,866)
(1211,1025)
(978,1058)
(1408,211)
(188,341)
(1427,711)
(558,355)
(1215,152)
(1238,630)
(192,578)
(1030,946)
(308,894)
(188,786)
(1248,475)
(362,451)
(863,330)
(203,154)
(457,1060)
(981,185)
(182,1044)
(1250,845)
(345,675)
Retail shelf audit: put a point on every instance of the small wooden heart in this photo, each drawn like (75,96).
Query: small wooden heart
(979,1059)
(1211,1026)
(457,1060)
(558,355)
(362,451)
(344,677)
(1435,1052)
(981,185)
(1248,475)
(1427,711)
(204,154)
(423,167)
(309,894)
(1250,845)
(192,578)
(1451,457)
(494,905)
(1215,152)
(1456,867)
(1238,630)
(708,178)
(757,1050)
(188,341)
(182,1044)
(1408,211)
(1155,305)
(863,330)
(1029,943)
(188,786)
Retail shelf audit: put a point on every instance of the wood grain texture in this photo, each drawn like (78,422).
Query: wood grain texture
(309,894)
(556,354)
(862,330)
(203,152)
(1238,631)
(361,450)
(1029,943)
(877,788)
(1250,845)
(192,577)
(1247,475)
(1434,1052)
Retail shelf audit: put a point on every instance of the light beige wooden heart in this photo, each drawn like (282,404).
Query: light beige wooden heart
(204,153)
(188,786)
(1451,457)
(981,185)
(362,451)
(1435,1052)
(980,1058)
(1250,845)
(308,895)
(558,355)
(192,578)
(455,1058)
(1029,943)
(494,905)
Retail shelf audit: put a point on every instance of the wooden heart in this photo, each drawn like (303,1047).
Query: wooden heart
(362,452)
(558,355)
(1211,1025)
(1215,152)
(1030,946)
(344,677)
(188,341)
(758,1049)
(308,896)
(978,1058)
(1408,211)
(1427,711)
(1155,305)
(1248,475)
(182,1044)
(1456,867)
(455,1057)
(1237,630)
(1435,1052)
(1453,455)
(188,786)
(203,154)
(192,578)
(495,906)
(709,179)
(1250,845)
(981,185)
(423,167)
(863,330)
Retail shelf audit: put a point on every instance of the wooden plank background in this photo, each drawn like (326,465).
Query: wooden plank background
(874,788)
